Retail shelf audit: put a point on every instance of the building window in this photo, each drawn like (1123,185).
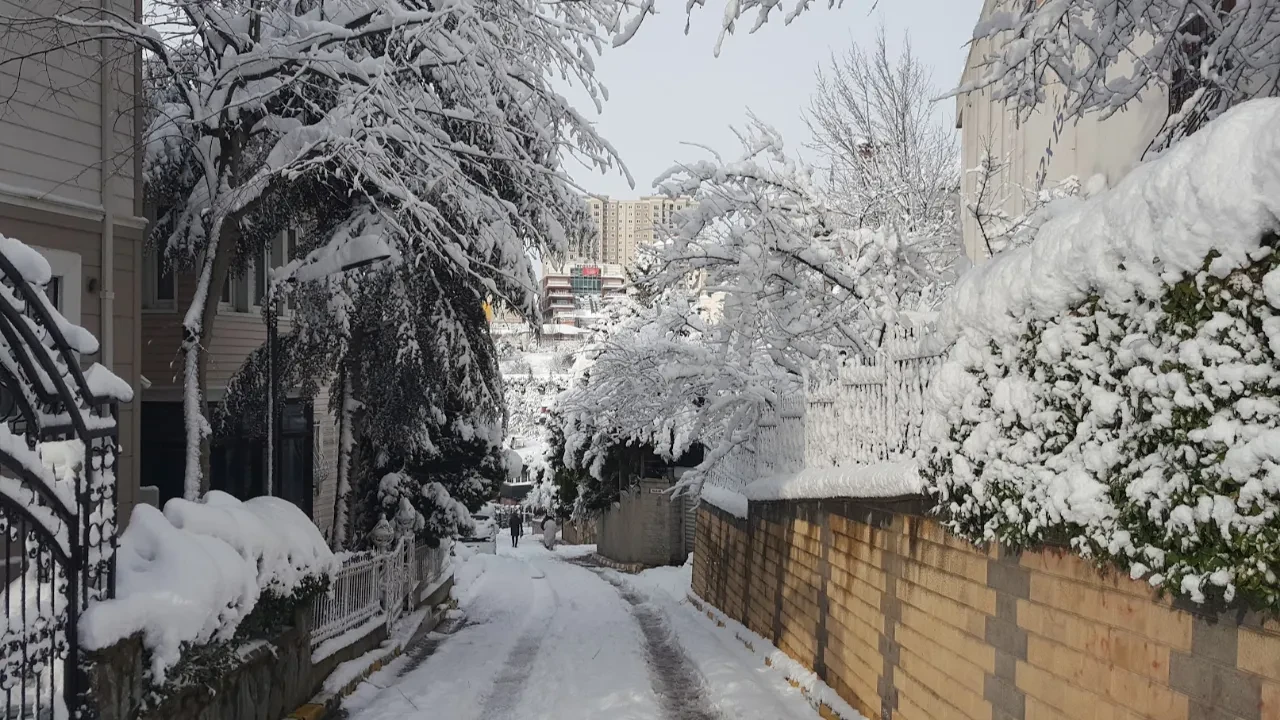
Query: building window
(63,289)
(158,289)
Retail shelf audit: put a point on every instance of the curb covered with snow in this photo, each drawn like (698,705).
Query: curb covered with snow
(882,480)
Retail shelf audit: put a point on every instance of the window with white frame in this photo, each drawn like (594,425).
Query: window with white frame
(64,286)
(249,284)
(158,288)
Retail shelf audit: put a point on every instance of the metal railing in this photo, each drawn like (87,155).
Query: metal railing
(354,598)
(376,585)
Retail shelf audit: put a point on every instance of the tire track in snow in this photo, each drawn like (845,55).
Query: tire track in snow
(504,697)
(677,683)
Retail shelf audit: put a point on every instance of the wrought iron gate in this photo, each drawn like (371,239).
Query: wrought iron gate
(57,494)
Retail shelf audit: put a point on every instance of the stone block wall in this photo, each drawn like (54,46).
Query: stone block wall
(645,528)
(579,532)
(906,621)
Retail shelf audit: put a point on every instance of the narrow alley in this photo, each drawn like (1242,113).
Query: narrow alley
(546,635)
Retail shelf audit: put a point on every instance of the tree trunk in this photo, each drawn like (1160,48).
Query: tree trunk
(197,337)
(346,434)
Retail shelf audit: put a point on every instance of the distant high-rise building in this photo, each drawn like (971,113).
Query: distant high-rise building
(574,293)
(624,225)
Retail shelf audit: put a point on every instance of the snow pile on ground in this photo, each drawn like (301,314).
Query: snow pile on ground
(193,573)
(730,501)
(882,480)
(1115,382)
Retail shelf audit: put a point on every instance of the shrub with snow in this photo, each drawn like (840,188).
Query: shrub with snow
(193,575)
(1116,384)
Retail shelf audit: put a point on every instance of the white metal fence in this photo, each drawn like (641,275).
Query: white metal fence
(376,585)
(874,407)
(778,449)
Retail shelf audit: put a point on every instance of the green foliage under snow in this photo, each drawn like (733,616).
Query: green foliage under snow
(1142,430)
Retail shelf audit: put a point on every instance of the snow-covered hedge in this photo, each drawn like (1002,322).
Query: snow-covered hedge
(1116,384)
(192,575)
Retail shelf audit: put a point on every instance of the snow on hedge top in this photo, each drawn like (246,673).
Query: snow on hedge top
(194,572)
(174,587)
(880,480)
(1217,190)
(274,534)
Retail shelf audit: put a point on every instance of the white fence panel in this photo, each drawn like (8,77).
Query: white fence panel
(354,598)
(372,585)
(873,409)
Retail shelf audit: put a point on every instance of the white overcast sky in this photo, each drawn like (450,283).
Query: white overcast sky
(666,88)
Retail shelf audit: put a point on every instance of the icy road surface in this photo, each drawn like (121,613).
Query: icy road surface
(546,636)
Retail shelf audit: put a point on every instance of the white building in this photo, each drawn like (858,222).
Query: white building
(574,293)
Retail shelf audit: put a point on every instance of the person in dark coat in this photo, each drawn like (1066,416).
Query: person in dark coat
(516,523)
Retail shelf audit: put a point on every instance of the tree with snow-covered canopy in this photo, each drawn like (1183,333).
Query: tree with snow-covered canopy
(889,163)
(801,275)
(433,129)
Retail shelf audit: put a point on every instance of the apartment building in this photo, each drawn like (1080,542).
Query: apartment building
(574,293)
(71,188)
(624,225)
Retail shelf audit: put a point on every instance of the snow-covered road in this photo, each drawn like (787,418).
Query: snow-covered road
(546,637)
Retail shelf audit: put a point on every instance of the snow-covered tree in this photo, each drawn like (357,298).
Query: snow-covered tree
(1204,55)
(890,162)
(432,127)
(801,273)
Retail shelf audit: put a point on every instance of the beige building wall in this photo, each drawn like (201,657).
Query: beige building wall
(626,225)
(70,186)
(1039,147)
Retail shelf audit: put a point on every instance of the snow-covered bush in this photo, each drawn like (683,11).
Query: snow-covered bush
(1116,384)
(198,574)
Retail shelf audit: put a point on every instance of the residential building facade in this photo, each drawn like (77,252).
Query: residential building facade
(574,293)
(71,187)
(622,226)
(1043,150)
(238,463)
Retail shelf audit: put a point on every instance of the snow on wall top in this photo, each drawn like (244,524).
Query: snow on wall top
(1217,190)
(881,480)
(732,502)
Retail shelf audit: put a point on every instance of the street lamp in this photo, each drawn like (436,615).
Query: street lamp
(365,255)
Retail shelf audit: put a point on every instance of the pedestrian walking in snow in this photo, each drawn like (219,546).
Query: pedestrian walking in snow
(516,523)
(549,530)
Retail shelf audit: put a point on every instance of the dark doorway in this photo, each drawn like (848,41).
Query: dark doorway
(238,459)
(295,455)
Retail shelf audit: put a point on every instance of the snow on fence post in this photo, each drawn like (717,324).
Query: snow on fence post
(872,410)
